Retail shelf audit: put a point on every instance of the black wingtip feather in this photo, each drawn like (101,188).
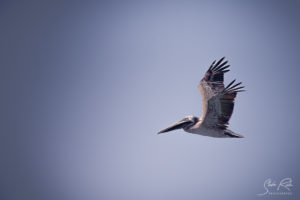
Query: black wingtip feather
(223,68)
(230,84)
(220,66)
(212,65)
(236,85)
(233,88)
(220,60)
(217,64)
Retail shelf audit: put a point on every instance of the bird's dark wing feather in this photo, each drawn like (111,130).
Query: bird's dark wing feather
(220,107)
(213,82)
(217,101)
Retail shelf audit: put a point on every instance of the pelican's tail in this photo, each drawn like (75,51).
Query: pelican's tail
(232,134)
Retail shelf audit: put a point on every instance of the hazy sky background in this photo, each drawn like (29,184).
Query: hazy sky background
(86,85)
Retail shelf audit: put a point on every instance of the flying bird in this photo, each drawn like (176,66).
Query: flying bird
(217,105)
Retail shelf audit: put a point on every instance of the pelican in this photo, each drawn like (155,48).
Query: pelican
(217,105)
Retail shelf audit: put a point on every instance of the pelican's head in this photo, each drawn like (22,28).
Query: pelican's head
(185,123)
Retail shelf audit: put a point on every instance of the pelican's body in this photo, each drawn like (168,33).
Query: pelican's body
(217,105)
(201,129)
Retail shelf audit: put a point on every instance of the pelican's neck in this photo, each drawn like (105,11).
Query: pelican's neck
(194,127)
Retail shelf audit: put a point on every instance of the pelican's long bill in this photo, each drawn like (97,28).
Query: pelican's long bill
(178,125)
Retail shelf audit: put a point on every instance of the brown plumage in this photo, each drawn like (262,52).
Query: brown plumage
(217,101)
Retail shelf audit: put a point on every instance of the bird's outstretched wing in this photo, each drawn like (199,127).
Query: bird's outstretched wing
(217,101)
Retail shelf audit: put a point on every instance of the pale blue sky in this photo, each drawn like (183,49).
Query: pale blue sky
(87,85)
